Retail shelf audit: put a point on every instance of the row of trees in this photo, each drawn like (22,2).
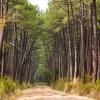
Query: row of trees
(19,29)
(65,39)
(73,33)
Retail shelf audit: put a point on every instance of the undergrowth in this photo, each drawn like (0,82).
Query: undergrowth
(7,86)
(9,89)
(79,87)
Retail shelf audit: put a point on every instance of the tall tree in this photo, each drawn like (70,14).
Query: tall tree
(95,41)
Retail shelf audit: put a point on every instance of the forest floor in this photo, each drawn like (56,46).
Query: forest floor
(46,93)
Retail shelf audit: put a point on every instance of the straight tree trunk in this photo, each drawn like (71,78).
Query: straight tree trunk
(82,59)
(95,41)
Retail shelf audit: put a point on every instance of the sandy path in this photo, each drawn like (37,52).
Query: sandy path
(46,93)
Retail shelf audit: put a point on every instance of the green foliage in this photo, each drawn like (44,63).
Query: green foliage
(97,86)
(43,75)
(9,88)
(7,85)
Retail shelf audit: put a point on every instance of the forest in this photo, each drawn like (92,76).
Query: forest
(62,43)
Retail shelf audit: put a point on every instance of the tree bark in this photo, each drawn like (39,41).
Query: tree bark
(95,41)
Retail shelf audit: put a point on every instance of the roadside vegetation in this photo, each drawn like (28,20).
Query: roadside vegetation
(9,88)
(78,87)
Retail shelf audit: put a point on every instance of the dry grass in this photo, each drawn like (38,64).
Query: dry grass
(77,87)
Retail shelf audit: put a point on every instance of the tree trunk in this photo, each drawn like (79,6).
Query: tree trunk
(95,41)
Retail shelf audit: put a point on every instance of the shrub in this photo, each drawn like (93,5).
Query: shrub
(68,87)
(75,85)
(87,88)
(97,86)
(7,85)
(59,84)
(79,87)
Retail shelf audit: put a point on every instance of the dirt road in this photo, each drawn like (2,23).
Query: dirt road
(46,93)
